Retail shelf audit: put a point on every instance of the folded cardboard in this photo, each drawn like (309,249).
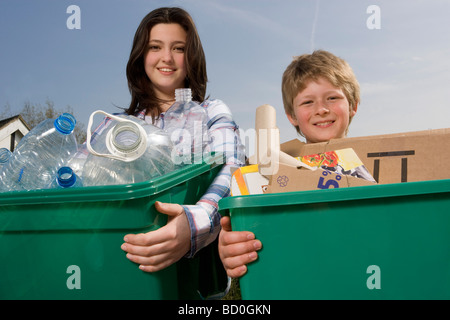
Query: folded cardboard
(391,158)
(344,161)
(333,169)
(289,179)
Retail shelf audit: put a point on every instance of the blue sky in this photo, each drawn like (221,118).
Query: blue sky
(403,67)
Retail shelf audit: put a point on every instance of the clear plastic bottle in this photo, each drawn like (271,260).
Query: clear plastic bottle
(129,150)
(66,178)
(5,155)
(186,123)
(39,154)
(76,163)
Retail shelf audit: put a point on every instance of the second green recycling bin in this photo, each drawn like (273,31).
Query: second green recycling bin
(373,242)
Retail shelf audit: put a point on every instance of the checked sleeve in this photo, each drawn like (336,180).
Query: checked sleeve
(203,217)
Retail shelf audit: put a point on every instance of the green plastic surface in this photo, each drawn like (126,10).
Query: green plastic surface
(372,242)
(44,233)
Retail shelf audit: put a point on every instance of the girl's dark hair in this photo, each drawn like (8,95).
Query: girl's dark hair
(141,88)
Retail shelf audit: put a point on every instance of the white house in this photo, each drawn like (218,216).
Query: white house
(12,130)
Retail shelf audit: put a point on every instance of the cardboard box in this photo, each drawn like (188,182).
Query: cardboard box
(391,158)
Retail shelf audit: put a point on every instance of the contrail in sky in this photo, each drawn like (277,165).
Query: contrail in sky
(313,32)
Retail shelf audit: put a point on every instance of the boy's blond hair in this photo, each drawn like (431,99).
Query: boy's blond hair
(313,66)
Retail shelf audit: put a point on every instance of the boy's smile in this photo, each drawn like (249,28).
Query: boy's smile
(321,111)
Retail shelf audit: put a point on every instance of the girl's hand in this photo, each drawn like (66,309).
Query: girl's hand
(158,249)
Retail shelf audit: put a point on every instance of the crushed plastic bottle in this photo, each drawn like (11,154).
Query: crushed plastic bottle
(39,154)
(128,150)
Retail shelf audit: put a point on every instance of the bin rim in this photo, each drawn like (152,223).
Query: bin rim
(116,192)
(334,195)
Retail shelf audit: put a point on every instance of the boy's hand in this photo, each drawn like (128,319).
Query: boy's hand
(236,249)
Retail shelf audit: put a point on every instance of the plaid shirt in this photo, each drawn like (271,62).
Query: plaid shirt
(203,217)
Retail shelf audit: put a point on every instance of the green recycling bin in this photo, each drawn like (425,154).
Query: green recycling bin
(65,243)
(373,242)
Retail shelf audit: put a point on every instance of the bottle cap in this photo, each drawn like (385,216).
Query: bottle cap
(183,95)
(65,123)
(66,177)
(5,154)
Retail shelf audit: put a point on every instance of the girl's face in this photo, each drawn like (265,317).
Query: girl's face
(322,112)
(164,61)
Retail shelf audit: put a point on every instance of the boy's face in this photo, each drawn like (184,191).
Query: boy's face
(322,111)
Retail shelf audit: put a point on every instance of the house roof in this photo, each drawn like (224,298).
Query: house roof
(6,122)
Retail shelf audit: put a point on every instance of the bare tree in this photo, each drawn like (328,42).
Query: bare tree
(35,113)
(6,112)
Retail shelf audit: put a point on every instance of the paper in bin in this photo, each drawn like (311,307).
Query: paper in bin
(247,180)
(344,161)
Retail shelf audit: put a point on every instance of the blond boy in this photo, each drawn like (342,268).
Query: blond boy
(320,96)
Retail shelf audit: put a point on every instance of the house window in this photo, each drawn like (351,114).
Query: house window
(12,143)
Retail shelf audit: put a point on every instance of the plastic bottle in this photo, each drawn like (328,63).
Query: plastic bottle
(5,155)
(76,163)
(186,123)
(129,150)
(66,178)
(39,154)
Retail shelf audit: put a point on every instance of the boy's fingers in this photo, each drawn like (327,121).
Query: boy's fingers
(241,248)
(237,272)
(236,237)
(236,266)
(236,249)
(231,237)
(225,222)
